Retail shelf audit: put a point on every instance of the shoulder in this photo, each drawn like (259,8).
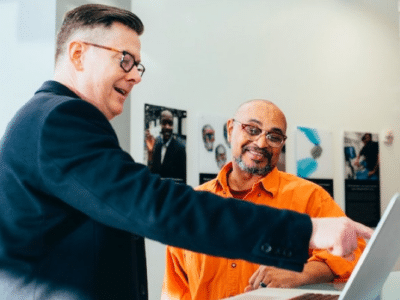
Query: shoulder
(48,111)
(74,122)
(75,115)
(317,201)
(288,179)
(177,141)
(302,188)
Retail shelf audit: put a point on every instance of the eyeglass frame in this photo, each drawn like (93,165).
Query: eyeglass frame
(266,133)
(124,53)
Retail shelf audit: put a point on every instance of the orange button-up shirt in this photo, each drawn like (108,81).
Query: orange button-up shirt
(196,276)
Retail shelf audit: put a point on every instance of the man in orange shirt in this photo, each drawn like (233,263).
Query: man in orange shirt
(257,135)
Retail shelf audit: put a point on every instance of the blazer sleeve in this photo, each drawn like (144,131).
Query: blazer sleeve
(82,164)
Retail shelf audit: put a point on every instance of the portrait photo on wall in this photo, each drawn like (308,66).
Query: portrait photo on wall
(314,158)
(362,182)
(165,141)
(214,148)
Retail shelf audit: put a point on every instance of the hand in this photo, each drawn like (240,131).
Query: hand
(313,272)
(337,235)
(150,141)
(273,278)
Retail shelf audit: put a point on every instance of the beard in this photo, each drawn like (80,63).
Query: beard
(261,171)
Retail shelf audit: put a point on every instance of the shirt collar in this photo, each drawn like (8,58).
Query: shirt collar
(270,182)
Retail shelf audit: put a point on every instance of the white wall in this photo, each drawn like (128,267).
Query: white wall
(330,64)
(26,53)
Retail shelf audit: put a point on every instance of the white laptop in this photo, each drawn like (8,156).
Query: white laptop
(370,273)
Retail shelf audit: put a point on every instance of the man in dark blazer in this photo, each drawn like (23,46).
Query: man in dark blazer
(75,206)
(166,153)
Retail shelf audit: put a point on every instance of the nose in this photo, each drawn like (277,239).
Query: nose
(262,141)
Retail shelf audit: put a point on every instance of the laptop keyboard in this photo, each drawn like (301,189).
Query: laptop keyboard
(310,296)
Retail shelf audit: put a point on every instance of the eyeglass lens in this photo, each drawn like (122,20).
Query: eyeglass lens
(274,139)
(128,62)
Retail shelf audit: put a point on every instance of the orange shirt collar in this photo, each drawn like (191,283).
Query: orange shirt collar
(270,183)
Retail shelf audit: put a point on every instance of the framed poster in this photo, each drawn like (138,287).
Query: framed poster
(214,148)
(362,182)
(314,159)
(165,141)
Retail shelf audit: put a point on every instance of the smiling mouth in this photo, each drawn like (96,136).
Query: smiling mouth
(121,91)
(258,153)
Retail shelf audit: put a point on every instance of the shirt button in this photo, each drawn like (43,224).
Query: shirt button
(224,192)
(233,265)
(266,248)
(259,195)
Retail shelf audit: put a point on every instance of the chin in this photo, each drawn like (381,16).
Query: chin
(118,110)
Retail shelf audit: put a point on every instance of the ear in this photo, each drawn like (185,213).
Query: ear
(229,127)
(75,54)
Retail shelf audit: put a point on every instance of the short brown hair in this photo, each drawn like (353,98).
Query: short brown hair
(92,16)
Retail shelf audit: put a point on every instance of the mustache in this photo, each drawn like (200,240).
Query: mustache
(262,151)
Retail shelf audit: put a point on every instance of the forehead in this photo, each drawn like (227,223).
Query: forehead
(263,113)
(166,116)
(124,38)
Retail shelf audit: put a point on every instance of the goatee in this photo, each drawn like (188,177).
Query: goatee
(261,171)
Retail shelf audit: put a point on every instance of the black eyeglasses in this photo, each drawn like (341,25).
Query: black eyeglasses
(127,60)
(274,139)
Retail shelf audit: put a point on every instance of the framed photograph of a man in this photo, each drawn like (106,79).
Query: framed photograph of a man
(165,141)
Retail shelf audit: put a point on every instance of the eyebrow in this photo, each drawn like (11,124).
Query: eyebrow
(274,129)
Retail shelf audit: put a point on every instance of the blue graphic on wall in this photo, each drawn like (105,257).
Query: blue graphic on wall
(313,153)
(307,166)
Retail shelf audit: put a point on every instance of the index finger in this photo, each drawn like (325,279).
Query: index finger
(363,231)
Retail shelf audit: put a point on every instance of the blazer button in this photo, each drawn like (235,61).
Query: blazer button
(266,248)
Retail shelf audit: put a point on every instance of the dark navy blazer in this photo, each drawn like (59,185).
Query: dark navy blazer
(73,206)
